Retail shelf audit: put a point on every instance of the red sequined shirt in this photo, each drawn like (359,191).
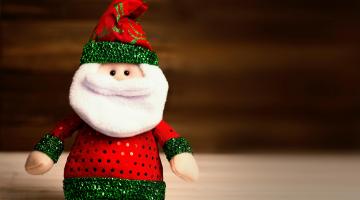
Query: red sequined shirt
(96,155)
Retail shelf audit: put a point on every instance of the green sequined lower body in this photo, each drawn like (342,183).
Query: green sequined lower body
(113,188)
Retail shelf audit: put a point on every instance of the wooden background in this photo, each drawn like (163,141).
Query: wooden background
(244,75)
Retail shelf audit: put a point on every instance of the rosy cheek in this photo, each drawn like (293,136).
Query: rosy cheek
(137,73)
(104,70)
(132,75)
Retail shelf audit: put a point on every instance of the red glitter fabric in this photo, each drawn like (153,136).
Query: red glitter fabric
(96,155)
(118,23)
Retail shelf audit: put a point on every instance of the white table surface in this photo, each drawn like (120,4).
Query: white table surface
(223,176)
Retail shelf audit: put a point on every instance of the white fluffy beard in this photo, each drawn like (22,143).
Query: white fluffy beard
(119,108)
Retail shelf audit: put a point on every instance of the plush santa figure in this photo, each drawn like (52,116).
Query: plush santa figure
(118,95)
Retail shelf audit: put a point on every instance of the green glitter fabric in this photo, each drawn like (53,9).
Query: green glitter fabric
(113,188)
(50,145)
(176,146)
(117,52)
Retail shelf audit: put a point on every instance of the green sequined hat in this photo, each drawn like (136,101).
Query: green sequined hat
(118,37)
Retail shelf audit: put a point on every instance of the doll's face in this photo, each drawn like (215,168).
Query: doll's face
(119,99)
(121,71)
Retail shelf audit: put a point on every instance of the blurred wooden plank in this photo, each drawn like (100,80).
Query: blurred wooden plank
(57,45)
(79,9)
(232,177)
(258,34)
(325,89)
(247,110)
(53,9)
(270,17)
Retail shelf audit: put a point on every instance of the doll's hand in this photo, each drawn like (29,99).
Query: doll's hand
(38,163)
(184,166)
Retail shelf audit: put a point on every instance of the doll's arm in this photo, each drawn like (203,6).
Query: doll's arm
(178,151)
(48,150)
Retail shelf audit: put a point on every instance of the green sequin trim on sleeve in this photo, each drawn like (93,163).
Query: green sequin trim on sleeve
(50,145)
(113,188)
(176,146)
(117,52)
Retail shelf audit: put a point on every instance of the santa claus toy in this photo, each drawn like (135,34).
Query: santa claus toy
(118,96)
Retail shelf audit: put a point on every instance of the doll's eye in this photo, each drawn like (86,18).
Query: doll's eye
(126,72)
(112,72)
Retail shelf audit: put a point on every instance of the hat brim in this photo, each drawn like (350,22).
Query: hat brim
(117,52)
